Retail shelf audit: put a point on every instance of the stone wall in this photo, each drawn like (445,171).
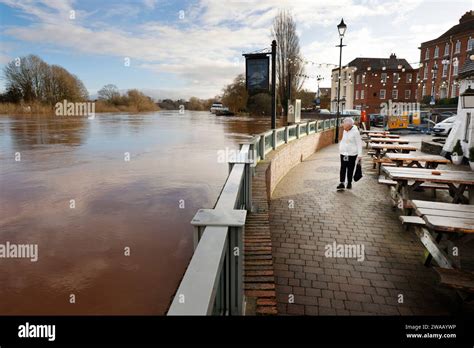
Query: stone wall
(283,159)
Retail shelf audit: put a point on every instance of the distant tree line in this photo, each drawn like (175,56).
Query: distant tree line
(30,79)
(110,99)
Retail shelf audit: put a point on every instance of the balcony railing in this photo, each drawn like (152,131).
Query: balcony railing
(213,281)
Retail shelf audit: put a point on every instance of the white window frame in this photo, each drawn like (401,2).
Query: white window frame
(423,91)
(384,94)
(407,93)
(445,70)
(357,95)
(446,49)
(427,54)
(436,52)
(396,77)
(455,69)
(357,79)
(395,94)
(425,73)
(363,78)
(408,78)
(383,77)
(362,94)
(457,48)
(470,44)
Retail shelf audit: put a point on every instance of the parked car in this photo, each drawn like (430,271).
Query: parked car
(324,111)
(448,113)
(376,120)
(444,127)
(350,112)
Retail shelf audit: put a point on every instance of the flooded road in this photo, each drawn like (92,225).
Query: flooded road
(113,233)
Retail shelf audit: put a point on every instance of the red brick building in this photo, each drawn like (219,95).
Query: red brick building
(441,59)
(378,80)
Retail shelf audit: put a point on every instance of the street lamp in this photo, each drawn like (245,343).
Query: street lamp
(467,98)
(342,30)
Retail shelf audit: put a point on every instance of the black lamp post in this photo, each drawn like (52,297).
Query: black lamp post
(342,29)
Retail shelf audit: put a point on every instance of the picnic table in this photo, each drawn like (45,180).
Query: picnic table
(432,221)
(408,179)
(431,161)
(381,149)
(388,141)
(383,135)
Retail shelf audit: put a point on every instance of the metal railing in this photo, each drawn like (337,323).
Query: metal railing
(213,281)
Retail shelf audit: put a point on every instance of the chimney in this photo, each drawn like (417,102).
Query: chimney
(393,56)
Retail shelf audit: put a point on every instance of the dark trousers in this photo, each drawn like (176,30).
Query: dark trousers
(347,165)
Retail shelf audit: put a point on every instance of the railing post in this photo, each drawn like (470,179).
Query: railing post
(297,131)
(236,254)
(287,134)
(274,139)
(308,128)
(262,146)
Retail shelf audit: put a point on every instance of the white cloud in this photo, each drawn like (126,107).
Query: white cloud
(203,51)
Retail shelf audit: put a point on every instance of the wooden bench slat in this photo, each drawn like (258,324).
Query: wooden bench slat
(449,224)
(412,220)
(443,206)
(456,278)
(447,213)
(385,181)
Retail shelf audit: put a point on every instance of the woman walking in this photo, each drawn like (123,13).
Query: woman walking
(350,150)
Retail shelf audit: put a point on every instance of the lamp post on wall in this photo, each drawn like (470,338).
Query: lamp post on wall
(342,30)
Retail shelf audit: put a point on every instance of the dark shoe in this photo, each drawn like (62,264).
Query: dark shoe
(340,187)
(349,186)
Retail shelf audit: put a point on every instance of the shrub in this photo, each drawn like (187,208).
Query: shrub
(458,148)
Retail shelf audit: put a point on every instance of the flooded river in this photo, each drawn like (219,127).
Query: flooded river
(112,232)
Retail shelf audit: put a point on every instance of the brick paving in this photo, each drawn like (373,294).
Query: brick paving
(306,214)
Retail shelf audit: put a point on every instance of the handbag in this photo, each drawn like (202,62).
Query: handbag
(358,172)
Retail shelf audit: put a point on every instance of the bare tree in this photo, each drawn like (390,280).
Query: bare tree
(109,93)
(35,80)
(289,60)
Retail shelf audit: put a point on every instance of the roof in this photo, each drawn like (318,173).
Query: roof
(390,63)
(467,70)
(466,24)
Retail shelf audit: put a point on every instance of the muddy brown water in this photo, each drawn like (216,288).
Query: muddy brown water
(143,205)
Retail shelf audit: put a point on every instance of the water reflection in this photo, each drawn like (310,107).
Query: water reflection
(144,204)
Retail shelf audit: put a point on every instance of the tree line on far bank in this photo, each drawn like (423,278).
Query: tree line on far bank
(32,85)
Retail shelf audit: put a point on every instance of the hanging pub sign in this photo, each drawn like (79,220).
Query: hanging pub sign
(257,68)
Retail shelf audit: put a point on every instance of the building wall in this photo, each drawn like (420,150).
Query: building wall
(444,86)
(369,85)
(347,88)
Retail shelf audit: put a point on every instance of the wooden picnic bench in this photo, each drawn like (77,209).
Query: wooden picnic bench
(410,160)
(383,135)
(409,179)
(382,149)
(434,220)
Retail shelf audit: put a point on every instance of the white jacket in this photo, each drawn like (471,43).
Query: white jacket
(351,143)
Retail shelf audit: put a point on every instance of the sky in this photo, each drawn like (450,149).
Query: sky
(182,48)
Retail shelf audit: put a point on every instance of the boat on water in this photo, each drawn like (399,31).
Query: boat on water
(218,107)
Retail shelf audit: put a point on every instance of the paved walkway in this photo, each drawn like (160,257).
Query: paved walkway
(307,214)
